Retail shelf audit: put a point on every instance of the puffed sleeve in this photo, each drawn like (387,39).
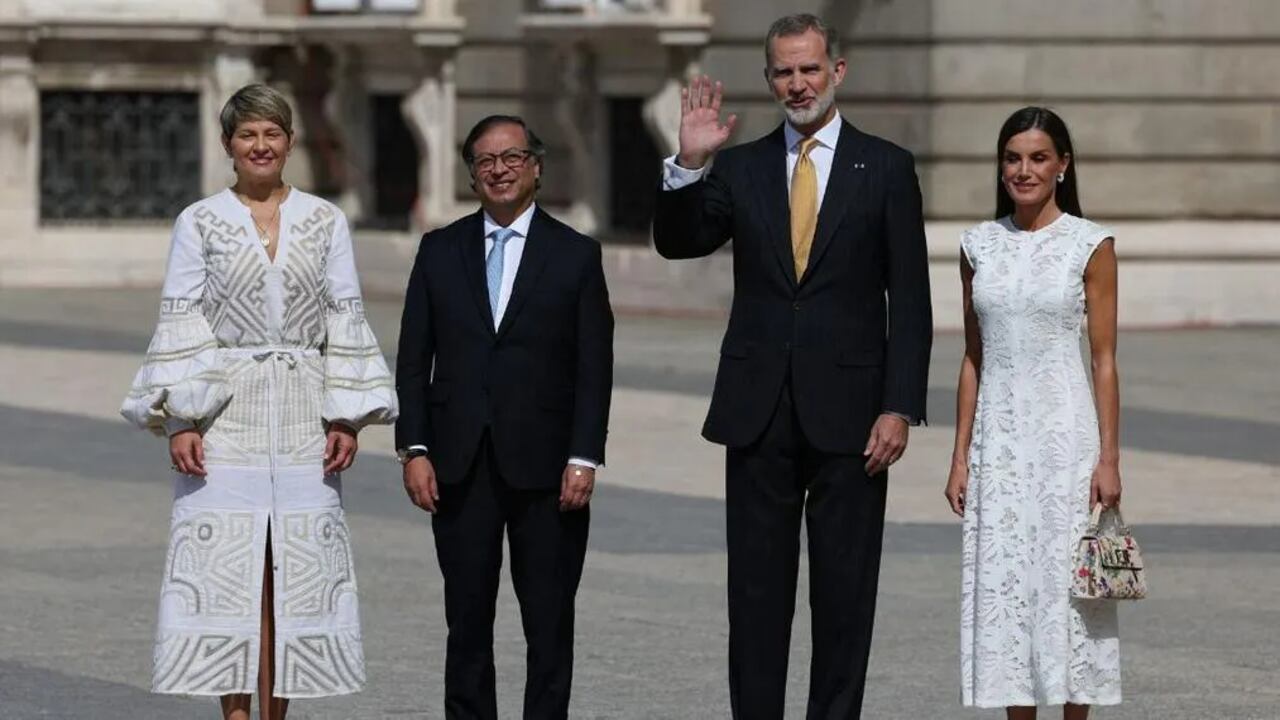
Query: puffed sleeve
(358,389)
(181,383)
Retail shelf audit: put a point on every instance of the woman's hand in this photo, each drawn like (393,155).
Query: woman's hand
(1105,487)
(339,448)
(186,450)
(957,486)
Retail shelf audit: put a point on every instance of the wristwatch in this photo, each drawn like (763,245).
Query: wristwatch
(405,455)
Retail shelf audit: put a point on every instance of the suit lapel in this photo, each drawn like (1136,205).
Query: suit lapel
(844,185)
(473,266)
(537,248)
(769,176)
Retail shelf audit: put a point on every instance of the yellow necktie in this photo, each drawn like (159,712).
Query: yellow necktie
(804,206)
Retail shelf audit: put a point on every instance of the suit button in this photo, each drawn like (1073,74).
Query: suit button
(786,345)
(795,305)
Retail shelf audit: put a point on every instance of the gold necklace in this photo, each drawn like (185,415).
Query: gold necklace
(264,233)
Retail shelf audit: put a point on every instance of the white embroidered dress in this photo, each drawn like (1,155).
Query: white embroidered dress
(1035,445)
(259,355)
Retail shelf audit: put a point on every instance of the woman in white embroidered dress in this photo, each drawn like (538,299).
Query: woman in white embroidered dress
(261,372)
(1033,452)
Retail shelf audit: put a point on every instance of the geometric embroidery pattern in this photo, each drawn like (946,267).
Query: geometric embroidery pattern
(315,563)
(259,355)
(236,281)
(352,359)
(319,665)
(304,278)
(210,565)
(204,664)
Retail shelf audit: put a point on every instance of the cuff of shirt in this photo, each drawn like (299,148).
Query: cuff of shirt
(173,426)
(675,177)
(584,463)
(423,448)
(912,421)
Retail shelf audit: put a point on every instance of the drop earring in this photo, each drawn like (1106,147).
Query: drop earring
(1062,177)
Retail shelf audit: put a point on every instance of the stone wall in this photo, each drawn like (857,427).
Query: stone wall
(1174,105)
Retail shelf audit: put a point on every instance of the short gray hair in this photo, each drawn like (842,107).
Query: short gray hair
(800,24)
(256,102)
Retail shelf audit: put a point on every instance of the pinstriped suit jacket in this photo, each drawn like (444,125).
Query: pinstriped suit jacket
(853,335)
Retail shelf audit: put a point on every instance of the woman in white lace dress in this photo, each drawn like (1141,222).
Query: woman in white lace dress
(261,372)
(1033,451)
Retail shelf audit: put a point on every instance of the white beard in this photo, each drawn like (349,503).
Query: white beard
(805,116)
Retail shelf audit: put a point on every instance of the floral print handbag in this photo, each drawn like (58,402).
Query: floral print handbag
(1108,561)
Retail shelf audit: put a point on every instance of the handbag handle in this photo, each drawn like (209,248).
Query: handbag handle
(1095,519)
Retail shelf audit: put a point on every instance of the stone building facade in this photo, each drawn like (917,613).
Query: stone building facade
(108,122)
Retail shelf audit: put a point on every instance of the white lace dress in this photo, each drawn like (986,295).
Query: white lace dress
(259,355)
(1024,640)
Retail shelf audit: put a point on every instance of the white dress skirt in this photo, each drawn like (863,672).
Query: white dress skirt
(260,356)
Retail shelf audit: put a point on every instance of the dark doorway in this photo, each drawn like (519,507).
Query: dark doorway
(634,168)
(395,165)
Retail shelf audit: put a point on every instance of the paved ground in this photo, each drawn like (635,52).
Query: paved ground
(83,502)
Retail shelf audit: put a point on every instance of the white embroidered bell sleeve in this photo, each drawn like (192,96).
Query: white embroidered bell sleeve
(358,389)
(181,383)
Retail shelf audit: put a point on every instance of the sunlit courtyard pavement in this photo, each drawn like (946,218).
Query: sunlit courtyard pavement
(84,507)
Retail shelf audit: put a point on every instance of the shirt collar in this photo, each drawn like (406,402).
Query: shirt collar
(828,136)
(520,225)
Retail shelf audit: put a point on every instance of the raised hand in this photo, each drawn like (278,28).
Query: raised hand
(701,132)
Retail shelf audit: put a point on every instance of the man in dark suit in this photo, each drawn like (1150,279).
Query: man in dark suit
(824,363)
(504,375)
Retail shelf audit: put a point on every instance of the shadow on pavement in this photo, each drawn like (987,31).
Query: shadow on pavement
(33,692)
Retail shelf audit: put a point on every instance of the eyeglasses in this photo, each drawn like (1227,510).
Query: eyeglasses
(514,159)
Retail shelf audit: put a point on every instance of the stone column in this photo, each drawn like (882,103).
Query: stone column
(576,110)
(20,147)
(347,108)
(429,111)
(439,10)
(661,110)
(231,68)
(684,9)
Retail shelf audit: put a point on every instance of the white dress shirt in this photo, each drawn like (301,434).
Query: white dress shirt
(513,251)
(675,177)
(511,255)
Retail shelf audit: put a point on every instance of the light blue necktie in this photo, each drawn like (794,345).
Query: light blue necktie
(493,266)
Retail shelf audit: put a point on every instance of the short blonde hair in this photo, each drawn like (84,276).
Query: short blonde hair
(256,102)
